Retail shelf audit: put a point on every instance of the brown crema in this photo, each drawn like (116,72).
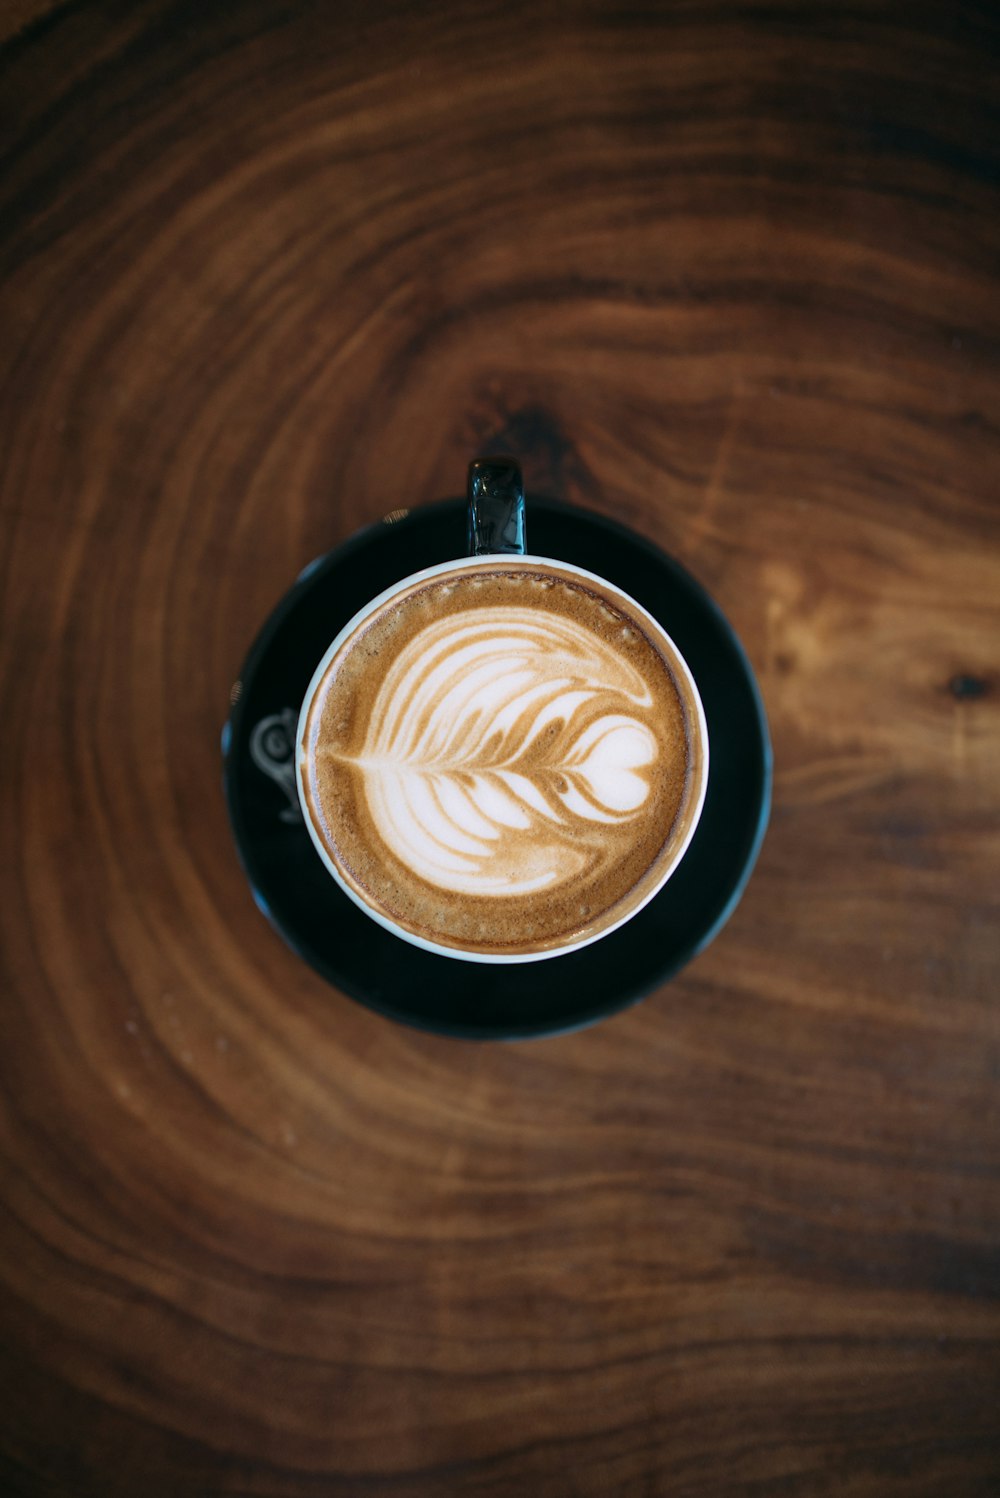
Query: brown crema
(499,760)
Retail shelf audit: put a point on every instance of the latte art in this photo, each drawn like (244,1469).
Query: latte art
(496,741)
(498,758)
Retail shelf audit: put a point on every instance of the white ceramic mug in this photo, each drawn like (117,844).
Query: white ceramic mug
(497,527)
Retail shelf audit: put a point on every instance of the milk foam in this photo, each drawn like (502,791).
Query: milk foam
(501,757)
(501,739)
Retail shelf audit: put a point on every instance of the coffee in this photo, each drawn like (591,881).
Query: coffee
(503,758)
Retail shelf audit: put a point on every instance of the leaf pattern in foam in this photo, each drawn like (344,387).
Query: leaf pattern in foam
(499,742)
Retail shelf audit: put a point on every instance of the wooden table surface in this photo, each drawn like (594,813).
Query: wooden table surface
(727,272)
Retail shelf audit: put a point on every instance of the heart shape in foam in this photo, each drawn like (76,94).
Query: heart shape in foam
(616,747)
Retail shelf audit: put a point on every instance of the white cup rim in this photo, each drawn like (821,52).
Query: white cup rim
(456,564)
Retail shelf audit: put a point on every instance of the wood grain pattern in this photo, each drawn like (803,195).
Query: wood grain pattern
(17,15)
(725,271)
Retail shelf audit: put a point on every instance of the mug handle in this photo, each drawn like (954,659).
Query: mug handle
(496,508)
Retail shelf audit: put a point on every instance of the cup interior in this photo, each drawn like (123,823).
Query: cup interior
(692,799)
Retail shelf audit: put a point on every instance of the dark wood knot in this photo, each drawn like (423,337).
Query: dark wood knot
(965,688)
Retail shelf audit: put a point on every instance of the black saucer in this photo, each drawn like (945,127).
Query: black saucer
(446,994)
